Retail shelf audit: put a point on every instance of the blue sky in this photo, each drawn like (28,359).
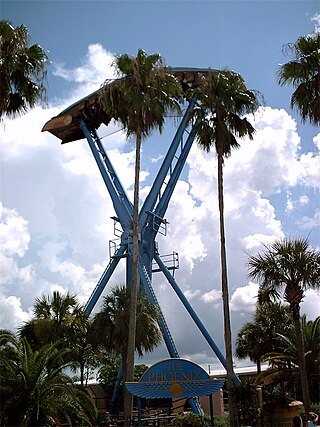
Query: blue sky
(55,207)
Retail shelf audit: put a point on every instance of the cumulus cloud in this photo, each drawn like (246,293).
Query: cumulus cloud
(302,200)
(244,298)
(256,242)
(311,303)
(270,161)
(14,242)
(211,296)
(11,313)
(310,223)
(97,67)
(316,20)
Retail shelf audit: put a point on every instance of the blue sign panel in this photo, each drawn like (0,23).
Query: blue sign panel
(177,378)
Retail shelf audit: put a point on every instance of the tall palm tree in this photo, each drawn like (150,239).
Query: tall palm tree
(303,73)
(22,71)
(139,100)
(223,100)
(111,324)
(35,391)
(288,265)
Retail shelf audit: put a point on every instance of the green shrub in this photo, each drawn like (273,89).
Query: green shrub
(189,418)
(221,421)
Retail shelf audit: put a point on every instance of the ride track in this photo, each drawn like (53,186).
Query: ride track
(82,119)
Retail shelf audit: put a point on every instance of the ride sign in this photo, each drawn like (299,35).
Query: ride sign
(174,377)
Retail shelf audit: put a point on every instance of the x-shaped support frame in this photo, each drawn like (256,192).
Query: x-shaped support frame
(151,217)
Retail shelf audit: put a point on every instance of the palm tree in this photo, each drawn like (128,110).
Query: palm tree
(139,100)
(112,324)
(61,318)
(259,337)
(303,73)
(223,100)
(35,391)
(22,71)
(284,362)
(288,264)
(247,402)
(53,316)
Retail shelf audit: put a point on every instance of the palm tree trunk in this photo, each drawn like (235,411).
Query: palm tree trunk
(82,374)
(295,310)
(259,366)
(225,298)
(128,399)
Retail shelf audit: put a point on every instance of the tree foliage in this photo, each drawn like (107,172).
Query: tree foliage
(259,337)
(22,71)
(60,318)
(111,323)
(303,73)
(283,361)
(35,391)
(289,266)
(223,102)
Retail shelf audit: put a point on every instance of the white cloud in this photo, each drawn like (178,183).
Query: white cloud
(22,137)
(212,297)
(270,161)
(258,241)
(291,205)
(311,304)
(316,19)
(96,68)
(14,242)
(308,223)
(11,313)
(316,141)
(244,298)
(310,175)
(189,294)
(303,200)
(14,232)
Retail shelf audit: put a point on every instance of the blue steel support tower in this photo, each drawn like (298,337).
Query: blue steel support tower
(82,119)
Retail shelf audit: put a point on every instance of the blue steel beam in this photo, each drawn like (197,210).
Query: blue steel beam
(121,203)
(154,193)
(193,314)
(95,295)
(162,205)
(145,279)
(161,192)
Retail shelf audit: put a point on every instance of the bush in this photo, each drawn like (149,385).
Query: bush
(221,421)
(191,419)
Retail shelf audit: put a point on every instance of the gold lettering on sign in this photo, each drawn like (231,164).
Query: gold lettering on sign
(187,376)
(168,376)
(173,375)
(174,366)
(197,375)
